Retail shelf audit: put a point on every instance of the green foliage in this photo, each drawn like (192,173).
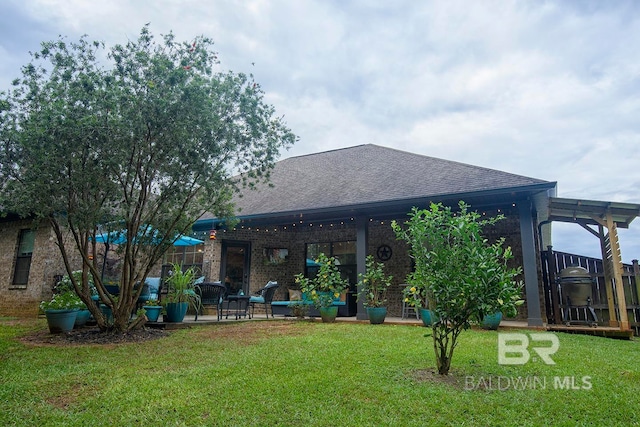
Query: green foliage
(66,284)
(142,136)
(460,274)
(67,300)
(326,286)
(181,286)
(416,296)
(373,284)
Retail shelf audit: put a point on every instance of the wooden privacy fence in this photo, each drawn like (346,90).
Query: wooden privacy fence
(553,262)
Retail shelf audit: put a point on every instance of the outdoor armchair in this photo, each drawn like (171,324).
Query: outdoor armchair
(264,296)
(211,293)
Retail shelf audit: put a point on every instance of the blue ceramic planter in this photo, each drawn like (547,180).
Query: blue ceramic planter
(81,318)
(176,312)
(328,314)
(427,317)
(152,312)
(107,313)
(60,321)
(492,321)
(376,315)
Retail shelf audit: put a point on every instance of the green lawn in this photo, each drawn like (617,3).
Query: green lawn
(311,374)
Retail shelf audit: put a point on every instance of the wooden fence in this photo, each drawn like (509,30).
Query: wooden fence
(553,262)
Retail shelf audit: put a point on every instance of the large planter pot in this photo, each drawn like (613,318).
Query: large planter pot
(153,312)
(175,312)
(82,317)
(328,314)
(428,318)
(60,321)
(107,313)
(492,321)
(376,315)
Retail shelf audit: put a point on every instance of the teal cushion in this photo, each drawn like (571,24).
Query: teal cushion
(259,300)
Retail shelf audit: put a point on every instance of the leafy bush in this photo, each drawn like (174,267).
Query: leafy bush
(373,284)
(326,286)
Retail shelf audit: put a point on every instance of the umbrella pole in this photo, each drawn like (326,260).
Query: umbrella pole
(104,261)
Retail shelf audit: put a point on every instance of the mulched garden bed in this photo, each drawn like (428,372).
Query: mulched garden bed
(94,336)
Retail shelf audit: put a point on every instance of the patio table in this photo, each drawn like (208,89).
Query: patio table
(242,303)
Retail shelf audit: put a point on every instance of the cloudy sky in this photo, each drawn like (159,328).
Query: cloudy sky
(546,89)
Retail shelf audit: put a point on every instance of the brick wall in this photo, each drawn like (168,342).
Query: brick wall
(46,263)
(294,239)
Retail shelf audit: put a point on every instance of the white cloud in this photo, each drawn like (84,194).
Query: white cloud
(544,89)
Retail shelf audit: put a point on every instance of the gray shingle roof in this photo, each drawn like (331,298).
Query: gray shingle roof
(366,175)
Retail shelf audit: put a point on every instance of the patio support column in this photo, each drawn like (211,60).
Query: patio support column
(608,278)
(362,237)
(531,281)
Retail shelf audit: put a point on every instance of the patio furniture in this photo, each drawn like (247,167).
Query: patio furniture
(264,296)
(241,305)
(406,308)
(285,307)
(211,293)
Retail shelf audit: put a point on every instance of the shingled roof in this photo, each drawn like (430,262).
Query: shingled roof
(371,175)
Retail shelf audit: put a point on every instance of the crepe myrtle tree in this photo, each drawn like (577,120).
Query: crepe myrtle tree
(465,277)
(141,138)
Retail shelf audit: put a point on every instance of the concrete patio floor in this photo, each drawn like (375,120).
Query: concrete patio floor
(208,319)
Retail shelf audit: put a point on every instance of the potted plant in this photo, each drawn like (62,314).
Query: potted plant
(417,296)
(61,311)
(373,286)
(181,292)
(65,285)
(299,310)
(152,309)
(325,287)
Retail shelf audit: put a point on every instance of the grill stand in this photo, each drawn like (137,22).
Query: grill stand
(566,317)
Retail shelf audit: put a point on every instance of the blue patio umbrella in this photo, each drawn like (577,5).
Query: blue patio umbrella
(119,238)
(183,240)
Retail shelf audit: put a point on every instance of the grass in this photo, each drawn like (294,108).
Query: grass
(308,374)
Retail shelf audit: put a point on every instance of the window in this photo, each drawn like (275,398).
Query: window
(26,242)
(187,256)
(344,252)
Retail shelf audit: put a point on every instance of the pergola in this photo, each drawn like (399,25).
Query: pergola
(607,217)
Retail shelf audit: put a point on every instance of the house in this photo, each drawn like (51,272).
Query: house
(339,202)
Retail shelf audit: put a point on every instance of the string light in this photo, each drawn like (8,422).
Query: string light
(343,223)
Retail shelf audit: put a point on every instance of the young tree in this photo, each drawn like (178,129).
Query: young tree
(464,276)
(141,139)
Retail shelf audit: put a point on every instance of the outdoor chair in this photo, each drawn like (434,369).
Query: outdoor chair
(264,296)
(211,293)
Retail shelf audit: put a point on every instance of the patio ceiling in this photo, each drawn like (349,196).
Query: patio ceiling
(592,212)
